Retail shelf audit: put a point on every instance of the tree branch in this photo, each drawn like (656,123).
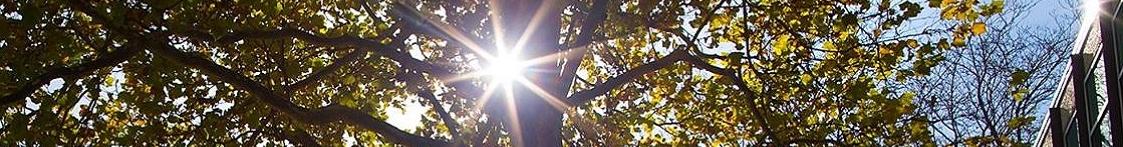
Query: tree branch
(323,115)
(335,65)
(582,97)
(112,58)
(414,80)
(406,61)
(574,57)
(450,123)
(320,74)
(815,141)
(298,137)
(416,22)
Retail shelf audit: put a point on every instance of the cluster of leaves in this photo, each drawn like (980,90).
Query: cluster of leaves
(815,72)
(148,99)
(768,72)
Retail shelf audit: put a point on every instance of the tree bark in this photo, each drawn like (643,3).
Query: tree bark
(535,121)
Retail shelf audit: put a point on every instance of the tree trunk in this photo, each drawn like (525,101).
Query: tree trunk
(536,122)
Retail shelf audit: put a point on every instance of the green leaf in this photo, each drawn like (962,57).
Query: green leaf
(935,3)
(908,96)
(1020,94)
(994,7)
(349,79)
(1018,77)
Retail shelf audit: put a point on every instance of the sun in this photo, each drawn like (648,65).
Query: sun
(505,68)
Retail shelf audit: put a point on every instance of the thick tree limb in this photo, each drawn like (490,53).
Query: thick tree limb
(298,137)
(815,142)
(335,65)
(415,21)
(331,68)
(327,114)
(112,58)
(740,83)
(453,126)
(406,61)
(582,97)
(574,56)
(416,82)
(280,103)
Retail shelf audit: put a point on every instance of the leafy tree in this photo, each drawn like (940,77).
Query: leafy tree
(991,92)
(767,72)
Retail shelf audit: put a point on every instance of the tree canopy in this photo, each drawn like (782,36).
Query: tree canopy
(325,72)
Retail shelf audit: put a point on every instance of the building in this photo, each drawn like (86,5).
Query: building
(1086,110)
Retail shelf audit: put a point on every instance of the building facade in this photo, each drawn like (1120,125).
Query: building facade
(1086,110)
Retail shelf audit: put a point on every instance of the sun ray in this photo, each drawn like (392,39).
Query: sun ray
(458,36)
(469,43)
(496,25)
(551,99)
(532,26)
(486,96)
(512,112)
(467,76)
(544,59)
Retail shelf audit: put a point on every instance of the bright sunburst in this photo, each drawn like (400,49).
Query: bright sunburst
(505,68)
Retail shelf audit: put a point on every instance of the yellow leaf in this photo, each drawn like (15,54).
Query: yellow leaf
(918,127)
(781,45)
(884,51)
(806,79)
(912,43)
(829,45)
(907,97)
(978,28)
(958,41)
(110,80)
(946,14)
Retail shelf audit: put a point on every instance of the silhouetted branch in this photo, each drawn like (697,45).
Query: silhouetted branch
(159,46)
(582,97)
(453,126)
(323,115)
(406,61)
(574,57)
(414,80)
(112,58)
(319,74)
